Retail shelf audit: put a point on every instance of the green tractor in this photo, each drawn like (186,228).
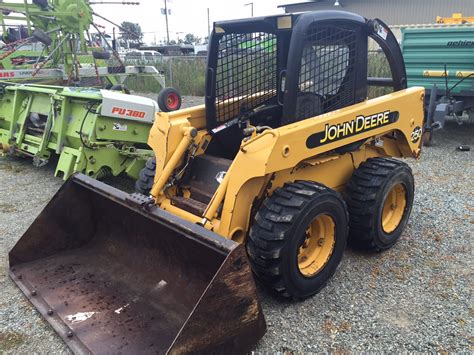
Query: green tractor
(53,44)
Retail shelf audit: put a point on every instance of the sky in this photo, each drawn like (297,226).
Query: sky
(187,16)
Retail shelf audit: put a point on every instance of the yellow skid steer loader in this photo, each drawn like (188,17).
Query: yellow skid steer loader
(285,163)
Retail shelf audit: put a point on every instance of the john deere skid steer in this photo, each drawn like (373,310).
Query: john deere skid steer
(285,163)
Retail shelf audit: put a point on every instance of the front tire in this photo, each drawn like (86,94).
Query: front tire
(146,177)
(298,238)
(379,197)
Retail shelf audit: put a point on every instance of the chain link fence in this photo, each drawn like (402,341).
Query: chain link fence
(185,73)
(188,74)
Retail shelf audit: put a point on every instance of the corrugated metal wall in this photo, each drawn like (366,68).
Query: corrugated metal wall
(393,12)
(427,50)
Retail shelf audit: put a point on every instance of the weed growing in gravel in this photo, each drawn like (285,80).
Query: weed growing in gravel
(331,328)
(11,340)
(11,167)
(7,208)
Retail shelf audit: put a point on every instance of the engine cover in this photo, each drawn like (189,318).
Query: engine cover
(130,107)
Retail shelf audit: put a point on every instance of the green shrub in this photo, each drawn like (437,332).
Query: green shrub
(378,67)
(187,74)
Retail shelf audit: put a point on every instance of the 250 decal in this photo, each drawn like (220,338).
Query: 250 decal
(127,112)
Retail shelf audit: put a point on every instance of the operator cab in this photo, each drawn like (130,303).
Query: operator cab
(277,70)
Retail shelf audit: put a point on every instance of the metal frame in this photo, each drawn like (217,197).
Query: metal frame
(290,43)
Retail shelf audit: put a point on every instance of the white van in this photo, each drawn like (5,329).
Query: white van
(143,56)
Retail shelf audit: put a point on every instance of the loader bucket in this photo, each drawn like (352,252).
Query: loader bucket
(114,276)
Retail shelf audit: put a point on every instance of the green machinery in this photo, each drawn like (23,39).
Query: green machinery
(441,59)
(49,41)
(98,132)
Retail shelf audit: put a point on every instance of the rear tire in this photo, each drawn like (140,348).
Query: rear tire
(379,197)
(298,238)
(169,99)
(101,55)
(146,177)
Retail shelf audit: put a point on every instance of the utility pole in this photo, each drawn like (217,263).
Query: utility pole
(208,25)
(251,7)
(114,41)
(166,17)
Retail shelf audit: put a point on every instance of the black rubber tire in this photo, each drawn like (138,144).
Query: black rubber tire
(104,55)
(146,177)
(163,99)
(41,3)
(122,88)
(365,196)
(42,37)
(279,230)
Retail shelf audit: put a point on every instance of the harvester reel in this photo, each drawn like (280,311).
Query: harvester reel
(80,18)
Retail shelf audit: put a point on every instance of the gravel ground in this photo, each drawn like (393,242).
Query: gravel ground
(414,297)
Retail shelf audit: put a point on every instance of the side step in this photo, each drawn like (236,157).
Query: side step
(188,204)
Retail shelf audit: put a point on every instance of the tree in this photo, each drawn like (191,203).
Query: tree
(131,33)
(191,39)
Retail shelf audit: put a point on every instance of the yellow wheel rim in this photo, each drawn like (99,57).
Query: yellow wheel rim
(317,248)
(394,208)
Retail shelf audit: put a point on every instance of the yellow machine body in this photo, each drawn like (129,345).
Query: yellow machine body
(281,155)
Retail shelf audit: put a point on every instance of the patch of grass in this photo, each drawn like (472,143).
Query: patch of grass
(331,328)
(378,67)
(11,340)
(187,74)
(401,272)
(13,168)
(7,208)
